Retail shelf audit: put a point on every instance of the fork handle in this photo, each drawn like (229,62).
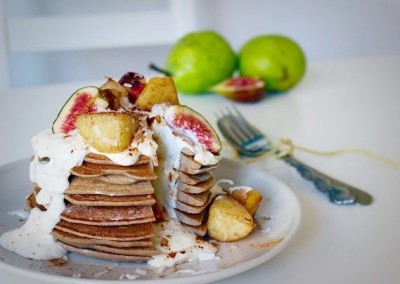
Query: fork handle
(338,192)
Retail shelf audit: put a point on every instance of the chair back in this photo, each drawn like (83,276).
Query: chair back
(62,32)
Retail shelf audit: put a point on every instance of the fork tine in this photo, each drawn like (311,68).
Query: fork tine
(241,133)
(248,140)
(225,125)
(243,124)
(253,131)
(245,137)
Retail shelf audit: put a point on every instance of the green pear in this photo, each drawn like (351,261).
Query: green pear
(200,60)
(277,60)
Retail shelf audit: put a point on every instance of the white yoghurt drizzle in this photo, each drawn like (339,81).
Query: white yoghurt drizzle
(217,189)
(55,156)
(170,146)
(178,245)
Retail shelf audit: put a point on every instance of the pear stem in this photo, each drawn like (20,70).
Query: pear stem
(154,67)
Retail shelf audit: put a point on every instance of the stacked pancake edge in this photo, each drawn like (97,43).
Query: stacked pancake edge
(110,208)
(108,211)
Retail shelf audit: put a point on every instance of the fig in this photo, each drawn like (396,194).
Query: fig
(83,100)
(135,83)
(241,89)
(188,122)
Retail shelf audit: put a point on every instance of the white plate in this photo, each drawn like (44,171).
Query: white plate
(278,219)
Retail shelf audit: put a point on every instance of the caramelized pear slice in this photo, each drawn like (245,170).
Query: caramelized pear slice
(248,197)
(108,132)
(228,220)
(158,90)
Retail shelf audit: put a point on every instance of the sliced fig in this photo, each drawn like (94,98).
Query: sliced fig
(83,100)
(192,124)
(241,89)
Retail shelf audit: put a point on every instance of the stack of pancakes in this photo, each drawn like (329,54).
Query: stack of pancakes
(193,192)
(109,210)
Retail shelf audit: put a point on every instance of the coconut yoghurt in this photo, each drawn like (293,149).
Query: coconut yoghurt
(55,155)
(178,245)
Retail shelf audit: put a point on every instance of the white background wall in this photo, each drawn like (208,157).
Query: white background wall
(325,29)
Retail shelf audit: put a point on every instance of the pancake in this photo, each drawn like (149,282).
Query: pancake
(118,179)
(202,169)
(79,241)
(138,172)
(185,150)
(31,203)
(137,251)
(110,200)
(190,219)
(196,188)
(193,199)
(194,178)
(198,230)
(105,255)
(118,233)
(108,215)
(95,186)
(189,161)
(190,208)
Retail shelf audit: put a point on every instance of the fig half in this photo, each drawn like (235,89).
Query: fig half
(192,124)
(241,89)
(83,100)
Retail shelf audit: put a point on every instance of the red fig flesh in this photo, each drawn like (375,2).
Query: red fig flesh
(241,89)
(81,101)
(190,123)
(135,83)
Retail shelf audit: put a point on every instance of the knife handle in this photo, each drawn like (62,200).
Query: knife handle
(337,191)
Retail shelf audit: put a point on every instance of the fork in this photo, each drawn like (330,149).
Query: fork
(244,137)
(248,141)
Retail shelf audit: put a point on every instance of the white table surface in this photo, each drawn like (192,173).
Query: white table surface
(339,104)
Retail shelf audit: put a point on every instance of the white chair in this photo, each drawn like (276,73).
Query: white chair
(63,32)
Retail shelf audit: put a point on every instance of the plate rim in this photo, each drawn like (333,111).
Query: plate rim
(200,278)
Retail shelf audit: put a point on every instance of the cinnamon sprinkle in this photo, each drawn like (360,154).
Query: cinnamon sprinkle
(268,244)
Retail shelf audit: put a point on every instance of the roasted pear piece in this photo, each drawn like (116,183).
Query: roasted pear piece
(108,132)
